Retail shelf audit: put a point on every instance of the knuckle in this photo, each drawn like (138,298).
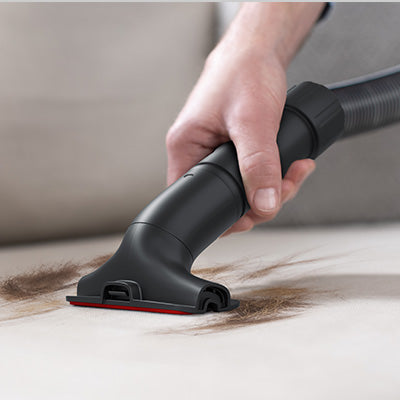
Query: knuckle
(261,163)
(261,114)
(244,117)
(244,120)
(181,130)
(176,136)
(172,141)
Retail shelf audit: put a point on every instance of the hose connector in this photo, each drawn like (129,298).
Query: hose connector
(312,120)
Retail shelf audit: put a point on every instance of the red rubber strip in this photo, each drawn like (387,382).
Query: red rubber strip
(156,310)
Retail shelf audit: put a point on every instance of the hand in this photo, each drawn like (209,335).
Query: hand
(240,97)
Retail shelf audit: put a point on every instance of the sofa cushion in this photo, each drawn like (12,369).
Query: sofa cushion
(88,92)
(344,345)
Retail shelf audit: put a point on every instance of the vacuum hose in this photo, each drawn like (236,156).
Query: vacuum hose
(151,269)
(370,101)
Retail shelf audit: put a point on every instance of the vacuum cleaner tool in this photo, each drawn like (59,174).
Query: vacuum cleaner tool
(151,269)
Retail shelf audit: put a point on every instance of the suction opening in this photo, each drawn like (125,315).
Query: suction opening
(214,298)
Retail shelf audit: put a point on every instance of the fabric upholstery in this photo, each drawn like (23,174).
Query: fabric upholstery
(343,347)
(88,92)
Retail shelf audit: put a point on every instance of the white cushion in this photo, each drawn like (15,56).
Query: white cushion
(344,347)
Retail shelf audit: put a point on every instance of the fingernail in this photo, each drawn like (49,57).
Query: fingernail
(266,200)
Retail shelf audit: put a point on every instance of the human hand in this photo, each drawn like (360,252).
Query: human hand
(240,97)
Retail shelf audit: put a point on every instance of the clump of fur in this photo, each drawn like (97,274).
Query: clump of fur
(46,279)
(260,306)
(36,292)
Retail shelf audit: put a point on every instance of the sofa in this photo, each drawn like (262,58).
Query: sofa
(88,93)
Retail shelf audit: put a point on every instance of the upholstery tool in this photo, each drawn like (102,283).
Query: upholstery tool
(151,269)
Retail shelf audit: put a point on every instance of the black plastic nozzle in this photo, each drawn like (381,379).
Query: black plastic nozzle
(151,269)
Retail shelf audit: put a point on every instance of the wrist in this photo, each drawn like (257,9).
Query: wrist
(273,31)
(242,55)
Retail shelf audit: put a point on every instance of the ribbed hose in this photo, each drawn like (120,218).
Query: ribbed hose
(369,102)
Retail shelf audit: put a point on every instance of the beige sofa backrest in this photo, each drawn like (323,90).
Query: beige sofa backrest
(357,180)
(87,94)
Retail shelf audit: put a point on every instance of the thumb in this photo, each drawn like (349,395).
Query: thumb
(260,167)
